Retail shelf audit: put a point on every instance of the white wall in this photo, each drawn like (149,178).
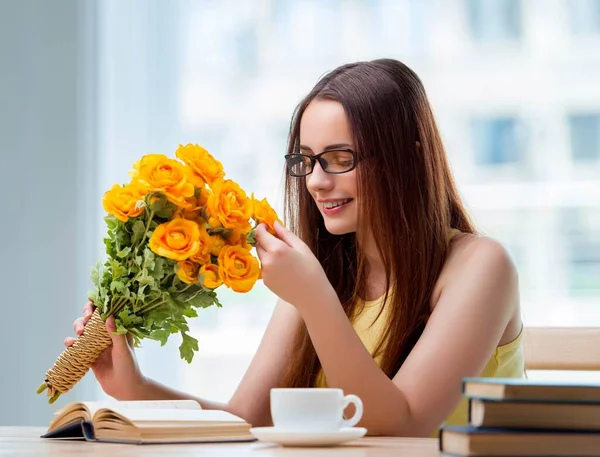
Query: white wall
(47,193)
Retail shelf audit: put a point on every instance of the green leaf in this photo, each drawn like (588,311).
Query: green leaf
(129,319)
(124,252)
(251,237)
(190,312)
(111,222)
(159,268)
(148,259)
(111,250)
(138,230)
(117,269)
(160,205)
(224,232)
(117,286)
(188,346)
(95,274)
(201,300)
(122,237)
(161,335)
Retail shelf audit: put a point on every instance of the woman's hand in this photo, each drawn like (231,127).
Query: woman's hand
(289,268)
(116,369)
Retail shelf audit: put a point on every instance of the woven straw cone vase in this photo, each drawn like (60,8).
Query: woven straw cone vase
(75,361)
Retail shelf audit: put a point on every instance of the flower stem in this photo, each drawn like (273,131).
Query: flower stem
(150,217)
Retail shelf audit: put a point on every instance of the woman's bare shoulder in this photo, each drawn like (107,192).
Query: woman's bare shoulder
(469,253)
(472,257)
(475,248)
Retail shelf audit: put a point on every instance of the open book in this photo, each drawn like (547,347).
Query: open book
(163,421)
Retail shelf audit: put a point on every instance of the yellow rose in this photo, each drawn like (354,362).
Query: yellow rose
(194,178)
(178,239)
(210,273)
(156,172)
(192,212)
(229,205)
(203,197)
(216,244)
(263,213)
(238,238)
(203,255)
(238,269)
(214,223)
(121,202)
(201,162)
(188,271)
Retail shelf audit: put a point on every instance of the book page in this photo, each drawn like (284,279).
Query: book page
(175,416)
(116,405)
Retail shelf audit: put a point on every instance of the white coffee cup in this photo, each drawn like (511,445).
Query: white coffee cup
(313,409)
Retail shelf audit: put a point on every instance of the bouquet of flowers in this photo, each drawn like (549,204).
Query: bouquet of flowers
(175,233)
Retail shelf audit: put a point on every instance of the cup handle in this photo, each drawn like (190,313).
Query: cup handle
(357,413)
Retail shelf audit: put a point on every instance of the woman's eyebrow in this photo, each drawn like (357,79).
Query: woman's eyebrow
(329,147)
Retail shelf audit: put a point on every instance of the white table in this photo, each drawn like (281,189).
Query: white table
(26,442)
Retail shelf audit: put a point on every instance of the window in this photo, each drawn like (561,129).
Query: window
(585,137)
(496,141)
(495,21)
(305,31)
(582,230)
(584,16)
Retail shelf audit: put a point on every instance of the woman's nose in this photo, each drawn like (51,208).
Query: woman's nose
(319,180)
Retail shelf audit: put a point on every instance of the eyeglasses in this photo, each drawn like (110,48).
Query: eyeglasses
(335,161)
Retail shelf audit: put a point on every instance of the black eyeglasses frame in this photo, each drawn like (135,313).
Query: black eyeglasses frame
(317,158)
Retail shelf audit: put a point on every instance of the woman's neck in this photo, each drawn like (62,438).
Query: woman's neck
(376,270)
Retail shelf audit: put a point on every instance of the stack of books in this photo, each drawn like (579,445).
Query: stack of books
(524,417)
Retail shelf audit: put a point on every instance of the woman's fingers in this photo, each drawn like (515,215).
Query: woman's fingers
(88,309)
(79,325)
(69,341)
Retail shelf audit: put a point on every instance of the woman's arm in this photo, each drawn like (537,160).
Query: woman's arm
(467,323)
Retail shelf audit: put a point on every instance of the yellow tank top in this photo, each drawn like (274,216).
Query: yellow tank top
(507,361)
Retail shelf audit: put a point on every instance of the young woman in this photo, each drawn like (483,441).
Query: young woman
(385,288)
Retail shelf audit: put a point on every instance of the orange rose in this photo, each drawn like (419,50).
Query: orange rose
(192,212)
(216,244)
(263,213)
(188,271)
(178,239)
(203,254)
(156,172)
(194,178)
(229,205)
(238,269)
(210,274)
(214,223)
(204,193)
(122,202)
(201,162)
(238,238)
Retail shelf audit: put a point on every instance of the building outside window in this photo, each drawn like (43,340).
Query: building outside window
(495,21)
(584,16)
(585,137)
(496,140)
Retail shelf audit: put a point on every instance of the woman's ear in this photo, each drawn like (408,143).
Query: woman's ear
(418,145)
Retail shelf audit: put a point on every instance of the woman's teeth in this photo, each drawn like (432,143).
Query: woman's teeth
(335,204)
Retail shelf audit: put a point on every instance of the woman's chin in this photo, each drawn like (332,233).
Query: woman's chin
(339,229)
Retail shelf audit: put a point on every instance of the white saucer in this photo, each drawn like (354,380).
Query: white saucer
(307,439)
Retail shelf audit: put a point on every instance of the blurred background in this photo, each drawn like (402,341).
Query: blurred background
(87,87)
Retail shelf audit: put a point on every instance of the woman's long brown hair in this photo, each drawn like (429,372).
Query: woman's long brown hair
(408,203)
